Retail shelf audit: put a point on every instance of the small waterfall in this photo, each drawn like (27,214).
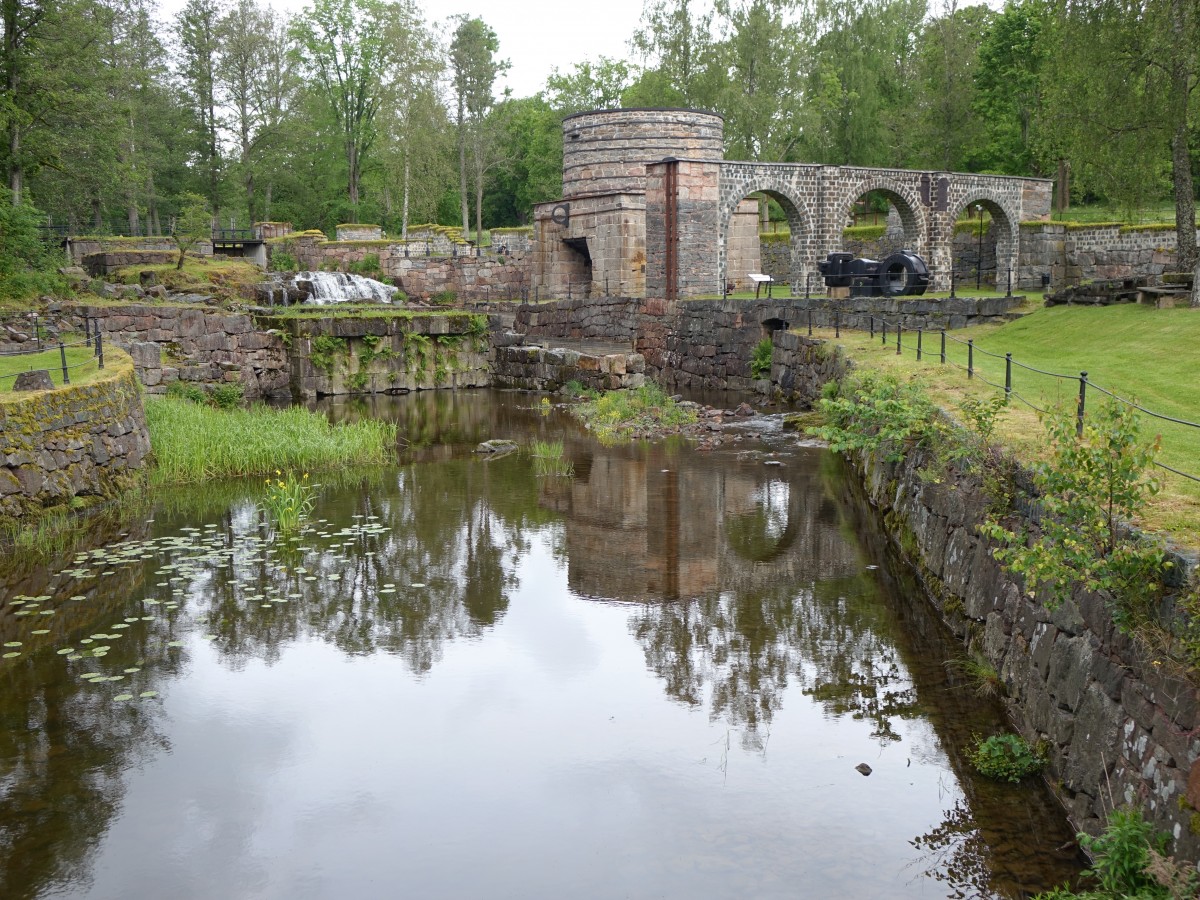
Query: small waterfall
(343,287)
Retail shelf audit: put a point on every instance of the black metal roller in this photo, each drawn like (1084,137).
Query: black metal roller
(902,274)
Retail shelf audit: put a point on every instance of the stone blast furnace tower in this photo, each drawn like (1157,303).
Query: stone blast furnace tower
(592,242)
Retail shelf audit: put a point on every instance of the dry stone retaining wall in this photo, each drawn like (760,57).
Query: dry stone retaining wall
(198,345)
(86,440)
(1073,253)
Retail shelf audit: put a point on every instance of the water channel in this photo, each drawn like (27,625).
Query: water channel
(653,679)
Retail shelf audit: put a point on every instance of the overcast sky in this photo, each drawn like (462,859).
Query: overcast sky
(535,35)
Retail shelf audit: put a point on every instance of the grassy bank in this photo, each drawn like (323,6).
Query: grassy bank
(82,364)
(1137,352)
(194,443)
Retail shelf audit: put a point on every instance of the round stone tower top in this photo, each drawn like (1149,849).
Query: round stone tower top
(605,151)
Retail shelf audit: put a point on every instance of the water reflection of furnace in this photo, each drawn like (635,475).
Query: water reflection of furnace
(667,524)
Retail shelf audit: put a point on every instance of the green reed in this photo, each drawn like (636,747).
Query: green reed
(194,443)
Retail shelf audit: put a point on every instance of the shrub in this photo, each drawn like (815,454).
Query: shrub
(27,263)
(227,396)
(760,359)
(878,412)
(1006,757)
(181,390)
(282,261)
(1091,486)
(368,266)
(443,298)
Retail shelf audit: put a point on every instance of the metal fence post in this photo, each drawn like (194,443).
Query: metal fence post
(37,331)
(943,347)
(810,321)
(62,356)
(971,358)
(1007,376)
(883,339)
(952,281)
(1009,292)
(837,323)
(872,318)
(920,335)
(807,284)
(100,348)
(1079,410)
(899,331)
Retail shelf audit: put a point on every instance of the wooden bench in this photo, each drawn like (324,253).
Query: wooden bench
(759,280)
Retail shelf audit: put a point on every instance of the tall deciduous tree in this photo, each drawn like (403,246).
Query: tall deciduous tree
(475,69)
(761,52)
(675,44)
(258,84)
(350,48)
(598,85)
(198,33)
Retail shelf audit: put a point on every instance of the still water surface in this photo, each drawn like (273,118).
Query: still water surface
(654,679)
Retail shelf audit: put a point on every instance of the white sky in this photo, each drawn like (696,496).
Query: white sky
(535,35)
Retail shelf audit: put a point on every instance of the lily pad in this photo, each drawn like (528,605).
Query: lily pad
(11,654)
(174,643)
(12,643)
(123,697)
(148,694)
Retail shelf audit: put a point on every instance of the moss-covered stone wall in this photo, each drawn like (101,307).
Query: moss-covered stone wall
(60,447)
(334,354)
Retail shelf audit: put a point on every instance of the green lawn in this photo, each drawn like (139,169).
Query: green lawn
(84,368)
(1137,352)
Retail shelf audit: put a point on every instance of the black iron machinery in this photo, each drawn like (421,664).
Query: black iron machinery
(900,274)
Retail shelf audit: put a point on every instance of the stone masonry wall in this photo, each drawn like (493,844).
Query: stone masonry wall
(203,346)
(86,440)
(343,355)
(1073,253)
(534,368)
(420,274)
(1119,729)
(708,343)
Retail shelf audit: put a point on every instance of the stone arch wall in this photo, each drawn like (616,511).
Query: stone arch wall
(781,185)
(1003,203)
(903,197)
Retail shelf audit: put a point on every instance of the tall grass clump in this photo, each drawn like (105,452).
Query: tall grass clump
(195,443)
(548,459)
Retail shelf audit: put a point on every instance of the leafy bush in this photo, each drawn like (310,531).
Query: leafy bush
(27,263)
(878,412)
(282,261)
(1091,486)
(760,359)
(1006,757)
(443,298)
(368,266)
(227,396)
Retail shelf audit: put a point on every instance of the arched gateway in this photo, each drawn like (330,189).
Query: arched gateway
(651,208)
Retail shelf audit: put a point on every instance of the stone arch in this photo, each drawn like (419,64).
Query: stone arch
(1005,223)
(903,197)
(800,220)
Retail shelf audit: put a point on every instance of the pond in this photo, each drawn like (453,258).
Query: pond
(655,678)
